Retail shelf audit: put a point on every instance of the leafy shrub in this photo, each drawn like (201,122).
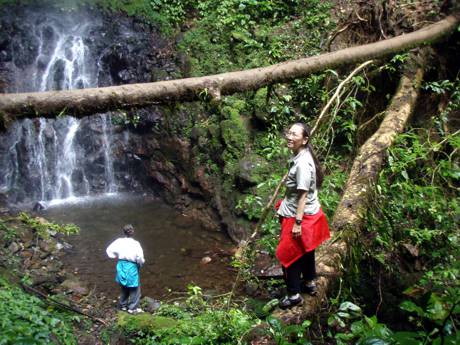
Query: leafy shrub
(197,321)
(44,228)
(26,320)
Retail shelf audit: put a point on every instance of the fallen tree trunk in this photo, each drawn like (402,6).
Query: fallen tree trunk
(350,214)
(88,101)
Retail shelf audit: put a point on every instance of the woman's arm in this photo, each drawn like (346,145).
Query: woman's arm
(297,229)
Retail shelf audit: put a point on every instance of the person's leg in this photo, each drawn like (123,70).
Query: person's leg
(124,297)
(292,279)
(134,297)
(308,266)
(309,273)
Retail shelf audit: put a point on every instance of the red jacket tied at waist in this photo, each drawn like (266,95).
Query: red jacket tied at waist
(315,230)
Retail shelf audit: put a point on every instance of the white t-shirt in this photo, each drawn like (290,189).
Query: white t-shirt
(126,248)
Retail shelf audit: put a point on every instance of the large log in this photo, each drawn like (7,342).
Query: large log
(350,214)
(88,101)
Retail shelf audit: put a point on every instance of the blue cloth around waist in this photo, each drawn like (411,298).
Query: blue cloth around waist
(127,273)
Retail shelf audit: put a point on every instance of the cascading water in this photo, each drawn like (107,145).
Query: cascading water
(43,159)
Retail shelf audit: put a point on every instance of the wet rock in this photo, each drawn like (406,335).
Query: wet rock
(26,254)
(266,266)
(75,286)
(54,266)
(251,288)
(150,304)
(47,246)
(89,339)
(252,170)
(206,260)
(14,247)
(42,277)
(63,246)
(26,237)
(35,262)
(39,206)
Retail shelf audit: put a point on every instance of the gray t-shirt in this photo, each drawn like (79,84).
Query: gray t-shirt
(301,176)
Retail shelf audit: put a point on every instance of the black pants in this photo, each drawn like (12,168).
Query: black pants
(302,270)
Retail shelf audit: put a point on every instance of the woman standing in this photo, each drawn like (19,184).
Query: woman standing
(303,224)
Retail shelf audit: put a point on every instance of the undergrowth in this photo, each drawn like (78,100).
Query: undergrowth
(25,319)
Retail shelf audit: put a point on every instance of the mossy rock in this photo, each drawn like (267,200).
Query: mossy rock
(260,104)
(144,322)
(235,135)
(198,132)
(236,103)
(231,164)
(229,112)
(252,169)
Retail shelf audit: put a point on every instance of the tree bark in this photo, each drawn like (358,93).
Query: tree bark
(350,214)
(87,101)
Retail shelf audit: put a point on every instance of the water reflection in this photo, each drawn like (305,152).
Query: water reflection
(173,245)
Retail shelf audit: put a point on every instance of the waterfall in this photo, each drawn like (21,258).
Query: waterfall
(48,159)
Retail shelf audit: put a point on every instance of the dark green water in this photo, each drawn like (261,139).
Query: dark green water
(173,245)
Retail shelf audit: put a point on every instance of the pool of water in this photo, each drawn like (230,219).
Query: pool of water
(173,245)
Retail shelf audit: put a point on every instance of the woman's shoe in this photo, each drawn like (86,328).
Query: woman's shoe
(310,288)
(135,311)
(290,301)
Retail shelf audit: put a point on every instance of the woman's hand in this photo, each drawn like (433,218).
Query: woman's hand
(297,230)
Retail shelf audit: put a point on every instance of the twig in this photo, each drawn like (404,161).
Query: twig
(337,93)
(62,305)
(380,293)
(334,35)
(445,321)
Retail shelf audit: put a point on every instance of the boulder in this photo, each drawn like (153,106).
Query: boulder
(75,286)
(252,170)
(150,304)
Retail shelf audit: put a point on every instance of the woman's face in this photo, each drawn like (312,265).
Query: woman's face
(295,139)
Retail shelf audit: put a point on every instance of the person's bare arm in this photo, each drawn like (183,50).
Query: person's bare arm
(297,229)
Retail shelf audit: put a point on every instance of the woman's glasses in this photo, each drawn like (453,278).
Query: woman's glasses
(289,134)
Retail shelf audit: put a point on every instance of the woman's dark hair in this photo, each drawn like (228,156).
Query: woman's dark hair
(128,230)
(319,171)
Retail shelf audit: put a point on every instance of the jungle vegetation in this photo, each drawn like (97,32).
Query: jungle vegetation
(399,280)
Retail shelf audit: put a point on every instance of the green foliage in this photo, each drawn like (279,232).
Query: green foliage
(234,135)
(288,334)
(419,212)
(8,233)
(349,326)
(236,34)
(434,304)
(167,13)
(122,118)
(419,206)
(26,320)
(396,62)
(44,228)
(334,181)
(196,321)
